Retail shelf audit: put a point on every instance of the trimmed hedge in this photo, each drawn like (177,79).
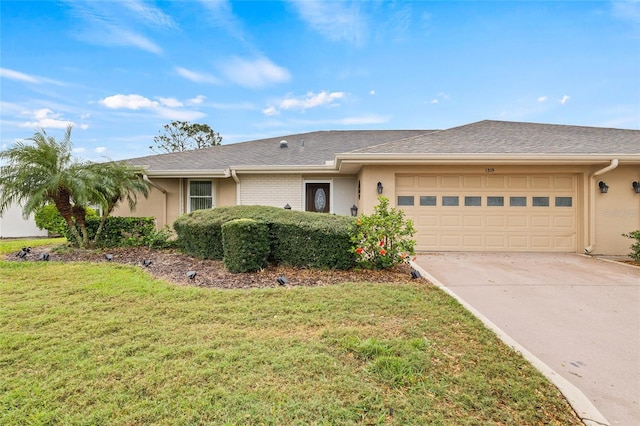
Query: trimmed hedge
(120,231)
(301,239)
(246,245)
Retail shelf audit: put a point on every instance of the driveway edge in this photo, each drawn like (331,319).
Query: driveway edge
(583,407)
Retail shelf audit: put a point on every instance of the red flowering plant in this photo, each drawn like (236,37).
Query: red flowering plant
(383,239)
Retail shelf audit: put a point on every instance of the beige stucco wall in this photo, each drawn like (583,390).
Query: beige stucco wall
(164,207)
(226,193)
(617,211)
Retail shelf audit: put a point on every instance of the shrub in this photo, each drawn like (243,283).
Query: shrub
(635,247)
(301,239)
(246,245)
(120,231)
(49,218)
(382,239)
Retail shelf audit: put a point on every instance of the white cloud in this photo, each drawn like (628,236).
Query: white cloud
(100,149)
(542,99)
(565,99)
(440,96)
(128,101)
(197,100)
(149,14)
(197,77)
(179,114)
(46,119)
(108,24)
(16,75)
(310,100)
(170,102)
(78,150)
(121,36)
(334,20)
(84,126)
(221,15)
(373,92)
(254,73)
(270,110)
(27,78)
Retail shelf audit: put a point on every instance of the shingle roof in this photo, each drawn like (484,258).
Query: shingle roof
(318,148)
(304,149)
(503,137)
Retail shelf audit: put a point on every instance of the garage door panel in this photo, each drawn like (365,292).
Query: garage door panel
(473,241)
(492,212)
(472,221)
(496,221)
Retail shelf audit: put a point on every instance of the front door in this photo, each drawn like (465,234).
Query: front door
(317,197)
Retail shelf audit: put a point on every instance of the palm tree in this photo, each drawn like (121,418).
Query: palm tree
(118,182)
(44,172)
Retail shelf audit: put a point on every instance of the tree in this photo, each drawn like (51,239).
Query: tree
(179,136)
(44,172)
(118,182)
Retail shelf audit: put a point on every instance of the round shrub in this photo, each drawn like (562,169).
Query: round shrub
(246,245)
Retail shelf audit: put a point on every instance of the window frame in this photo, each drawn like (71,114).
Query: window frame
(190,197)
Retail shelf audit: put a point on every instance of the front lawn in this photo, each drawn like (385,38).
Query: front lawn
(84,343)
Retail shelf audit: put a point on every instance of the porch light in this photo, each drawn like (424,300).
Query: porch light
(604,188)
(287,207)
(354,210)
(636,186)
(380,188)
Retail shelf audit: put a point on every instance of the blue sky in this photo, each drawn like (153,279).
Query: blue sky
(120,70)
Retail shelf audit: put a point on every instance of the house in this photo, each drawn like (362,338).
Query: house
(485,186)
(13,225)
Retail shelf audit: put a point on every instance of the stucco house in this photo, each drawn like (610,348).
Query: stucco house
(485,186)
(13,225)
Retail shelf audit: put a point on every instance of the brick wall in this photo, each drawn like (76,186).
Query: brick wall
(271,190)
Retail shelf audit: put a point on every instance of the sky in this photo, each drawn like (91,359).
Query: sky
(120,70)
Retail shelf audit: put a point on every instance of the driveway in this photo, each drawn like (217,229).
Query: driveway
(577,314)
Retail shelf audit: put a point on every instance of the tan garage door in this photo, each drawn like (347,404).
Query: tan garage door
(490,212)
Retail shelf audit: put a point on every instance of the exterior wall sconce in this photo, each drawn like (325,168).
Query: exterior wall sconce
(380,188)
(604,188)
(354,210)
(287,207)
(636,186)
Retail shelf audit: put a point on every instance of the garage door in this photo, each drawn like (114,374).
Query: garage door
(490,212)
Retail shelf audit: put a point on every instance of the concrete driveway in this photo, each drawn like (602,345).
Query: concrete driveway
(579,315)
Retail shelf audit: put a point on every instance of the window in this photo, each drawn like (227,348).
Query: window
(472,201)
(564,201)
(518,201)
(540,201)
(200,195)
(405,200)
(427,200)
(495,201)
(450,200)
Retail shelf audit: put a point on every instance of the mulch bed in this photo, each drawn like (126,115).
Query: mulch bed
(171,265)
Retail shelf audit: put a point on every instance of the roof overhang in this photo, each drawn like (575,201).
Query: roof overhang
(355,161)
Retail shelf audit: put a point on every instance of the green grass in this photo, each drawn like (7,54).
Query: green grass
(106,344)
(14,245)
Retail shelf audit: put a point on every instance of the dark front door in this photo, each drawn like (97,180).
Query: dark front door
(317,198)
